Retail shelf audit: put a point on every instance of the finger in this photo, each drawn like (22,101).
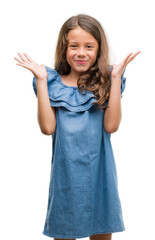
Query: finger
(28,57)
(136,53)
(18,59)
(23,58)
(25,65)
(125,59)
(133,57)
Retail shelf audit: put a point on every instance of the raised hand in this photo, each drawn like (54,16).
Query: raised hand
(39,71)
(119,69)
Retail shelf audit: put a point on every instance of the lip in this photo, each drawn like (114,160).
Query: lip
(81,61)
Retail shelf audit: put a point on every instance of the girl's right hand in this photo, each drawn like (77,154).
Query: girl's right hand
(39,71)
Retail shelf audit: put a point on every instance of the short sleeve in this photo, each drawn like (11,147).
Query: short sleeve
(123,84)
(61,95)
(52,76)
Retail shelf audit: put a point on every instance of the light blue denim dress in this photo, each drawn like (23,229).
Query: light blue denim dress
(83,190)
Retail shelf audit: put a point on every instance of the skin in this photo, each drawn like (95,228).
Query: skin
(46,113)
(106,236)
(82,46)
(81,54)
(113,114)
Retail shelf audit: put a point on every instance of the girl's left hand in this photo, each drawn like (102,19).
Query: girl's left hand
(119,69)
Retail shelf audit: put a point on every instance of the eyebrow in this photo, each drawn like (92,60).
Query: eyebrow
(86,42)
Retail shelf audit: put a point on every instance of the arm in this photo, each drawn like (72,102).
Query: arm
(46,113)
(113,114)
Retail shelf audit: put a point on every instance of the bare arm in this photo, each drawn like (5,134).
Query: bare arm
(46,113)
(113,114)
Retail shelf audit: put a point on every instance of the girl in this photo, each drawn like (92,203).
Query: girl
(83,192)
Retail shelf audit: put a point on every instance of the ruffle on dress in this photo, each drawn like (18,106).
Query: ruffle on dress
(61,95)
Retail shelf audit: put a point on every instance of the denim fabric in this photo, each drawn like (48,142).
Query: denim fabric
(83,190)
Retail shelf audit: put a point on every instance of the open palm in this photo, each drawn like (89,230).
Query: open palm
(119,69)
(39,71)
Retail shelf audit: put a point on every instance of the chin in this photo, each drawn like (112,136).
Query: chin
(81,69)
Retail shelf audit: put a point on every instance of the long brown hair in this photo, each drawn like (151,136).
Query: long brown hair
(97,77)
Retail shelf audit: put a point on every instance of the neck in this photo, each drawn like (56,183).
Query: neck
(74,75)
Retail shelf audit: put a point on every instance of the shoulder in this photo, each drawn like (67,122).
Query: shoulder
(51,71)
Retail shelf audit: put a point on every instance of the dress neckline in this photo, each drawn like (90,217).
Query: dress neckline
(60,78)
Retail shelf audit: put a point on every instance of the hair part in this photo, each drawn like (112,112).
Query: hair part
(97,77)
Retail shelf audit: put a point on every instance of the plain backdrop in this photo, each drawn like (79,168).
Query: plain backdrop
(25,155)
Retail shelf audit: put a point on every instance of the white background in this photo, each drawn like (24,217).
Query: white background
(25,161)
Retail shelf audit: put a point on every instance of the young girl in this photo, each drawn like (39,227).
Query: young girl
(79,104)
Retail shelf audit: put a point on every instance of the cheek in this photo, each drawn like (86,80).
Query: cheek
(69,55)
(93,56)
(70,52)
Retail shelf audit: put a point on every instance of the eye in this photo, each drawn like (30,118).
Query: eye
(73,46)
(89,46)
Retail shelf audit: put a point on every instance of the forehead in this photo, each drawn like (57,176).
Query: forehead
(80,35)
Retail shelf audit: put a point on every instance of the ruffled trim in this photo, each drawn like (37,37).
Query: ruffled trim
(61,95)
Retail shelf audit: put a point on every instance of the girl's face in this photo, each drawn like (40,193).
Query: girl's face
(81,51)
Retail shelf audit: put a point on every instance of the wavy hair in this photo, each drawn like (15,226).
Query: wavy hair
(97,78)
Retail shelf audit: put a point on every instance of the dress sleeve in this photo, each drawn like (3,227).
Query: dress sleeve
(123,83)
(52,76)
(61,95)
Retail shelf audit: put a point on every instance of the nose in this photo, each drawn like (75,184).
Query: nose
(81,52)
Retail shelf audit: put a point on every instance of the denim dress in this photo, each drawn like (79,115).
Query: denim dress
(83,189)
